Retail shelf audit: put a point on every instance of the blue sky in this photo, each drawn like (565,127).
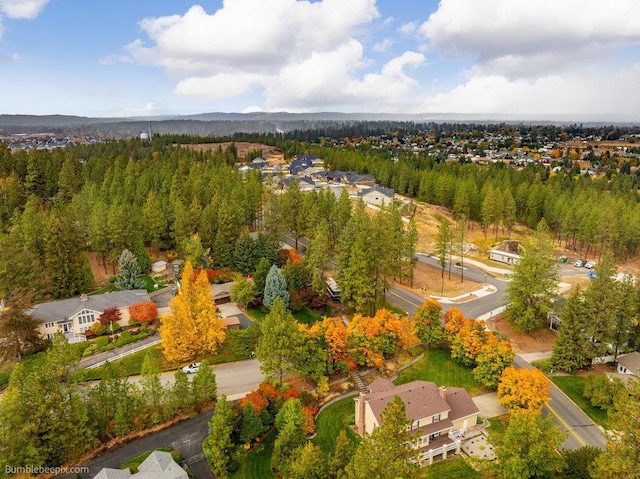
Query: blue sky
(542,58)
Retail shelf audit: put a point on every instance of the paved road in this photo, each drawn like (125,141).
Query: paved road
(186,437)
(581,431)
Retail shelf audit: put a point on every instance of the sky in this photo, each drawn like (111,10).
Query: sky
(514,58)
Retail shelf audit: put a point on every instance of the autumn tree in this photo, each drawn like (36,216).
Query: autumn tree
(275,287)
(146,311)
(523,389)
(192,329)
(19,332)
(528,448)
(428,324)
(385,453)
(110,315)
(495,356)
(280,338)
(218,446)
(335,337)
(622,456)
(533,283)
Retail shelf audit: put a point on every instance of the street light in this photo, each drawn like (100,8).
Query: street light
(485,278)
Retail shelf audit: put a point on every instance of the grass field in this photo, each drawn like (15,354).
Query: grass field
(304,316)
(573,386)
(438,367)
(257,463)
(340,415)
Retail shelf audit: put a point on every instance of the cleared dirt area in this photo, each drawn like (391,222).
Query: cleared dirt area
(539,341)
(428,281)
(270,153)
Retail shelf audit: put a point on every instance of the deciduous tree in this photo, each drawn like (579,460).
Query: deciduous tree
(494,358)
(19,332)
(144,312)
(523,389)
(428,323)
(192,329)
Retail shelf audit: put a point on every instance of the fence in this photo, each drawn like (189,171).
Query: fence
(125,353)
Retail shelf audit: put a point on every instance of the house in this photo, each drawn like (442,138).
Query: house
(377,195)
(504,256)
(74,316)
(439,416)
(305,183)
(258,163)
(159,266)
(629,364)
(158,465)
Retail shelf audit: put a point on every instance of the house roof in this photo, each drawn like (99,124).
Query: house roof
(388,192)
(422,399)
(631,361)
(158,465)
(65,308)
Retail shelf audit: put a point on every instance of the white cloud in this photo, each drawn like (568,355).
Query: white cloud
(588,93)
(22,8)
(383,46)
(524,39)
(408,28)
(300,55)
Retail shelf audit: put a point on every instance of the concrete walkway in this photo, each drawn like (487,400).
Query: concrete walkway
(489,406)
(463,298)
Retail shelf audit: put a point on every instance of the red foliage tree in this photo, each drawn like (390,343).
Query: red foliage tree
(110,315)
(147,311)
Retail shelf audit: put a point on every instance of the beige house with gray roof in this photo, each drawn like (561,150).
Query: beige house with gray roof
(74,316)
(439,416)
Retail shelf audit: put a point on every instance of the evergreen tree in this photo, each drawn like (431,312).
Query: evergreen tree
(151,388)
(181,399)
(443,245)
(203,387)
(19,332)
(275,287)
(260,278)
(572,349)
(317,256)
(533,283)
(342,454)
(251,425)
(385,453)
(309,463)
(245,255)
(280,338)
(291,426)
(129,272)
(217,446)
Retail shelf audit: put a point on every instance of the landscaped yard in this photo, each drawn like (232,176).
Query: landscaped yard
(455,468)
(257,463)
(573,386)
(340,415)
(236,348)
(438,367)
(305,315)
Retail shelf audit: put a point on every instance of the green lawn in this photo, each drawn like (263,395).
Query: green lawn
(257,463)
(340,415)
(236,348)
(573,386)
(497,425)
(305,315)
(455,468)
(438,367)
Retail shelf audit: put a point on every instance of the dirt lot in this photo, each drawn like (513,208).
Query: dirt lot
(269,153)
(540,341)
(427,280)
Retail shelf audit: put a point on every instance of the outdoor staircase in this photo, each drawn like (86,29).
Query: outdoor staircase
(355,375)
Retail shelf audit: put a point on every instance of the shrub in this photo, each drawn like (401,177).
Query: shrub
(110,347)
(112,279)
(4,378)
(89,351)
(102,342)
(125,338)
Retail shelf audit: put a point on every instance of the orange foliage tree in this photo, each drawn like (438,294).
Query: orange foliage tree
(523,389)
(370,339)
(147,311)
(494,358)
(468,341)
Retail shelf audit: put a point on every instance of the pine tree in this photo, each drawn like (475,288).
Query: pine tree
(260,278)
(317,256)
(251,425)
(275,287)
(309,463)
(192,329)
(572,349)
(203,387)
(532,284)
(217,446)
(280,338)
(342,454)
(385,453)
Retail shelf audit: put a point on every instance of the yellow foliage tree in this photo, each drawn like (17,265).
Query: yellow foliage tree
(192,329)
(523,389)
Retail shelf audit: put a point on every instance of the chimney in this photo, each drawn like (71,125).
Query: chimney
(83,297)
(443,392)
(360,415)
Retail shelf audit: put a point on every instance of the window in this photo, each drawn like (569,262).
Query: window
(415,425)
(434,435)
(436,418)
(50,335)
(84,328)
(86,317)
(49,325)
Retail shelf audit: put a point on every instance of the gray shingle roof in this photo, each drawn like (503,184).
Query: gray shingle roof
(631,361)
(66,308)
(159,465)
(389,192)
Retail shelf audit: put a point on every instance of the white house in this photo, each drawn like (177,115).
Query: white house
(439,416)
(74,316)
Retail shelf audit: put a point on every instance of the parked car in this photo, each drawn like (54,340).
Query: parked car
(191,368)
(590,264)
(578,264)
